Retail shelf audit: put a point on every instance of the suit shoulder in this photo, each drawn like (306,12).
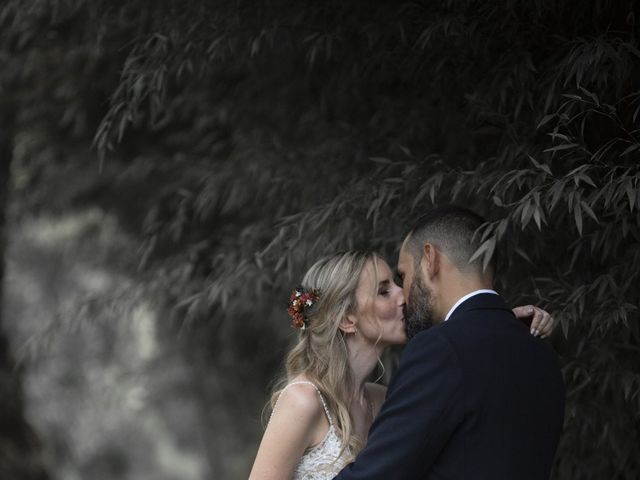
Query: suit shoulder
(434,342)
(431,336)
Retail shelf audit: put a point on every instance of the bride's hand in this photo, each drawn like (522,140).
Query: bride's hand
(542,323)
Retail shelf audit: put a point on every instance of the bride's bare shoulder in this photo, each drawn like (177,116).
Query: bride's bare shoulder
(299,408)
(299,400)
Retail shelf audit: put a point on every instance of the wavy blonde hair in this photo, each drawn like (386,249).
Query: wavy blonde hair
(320,353)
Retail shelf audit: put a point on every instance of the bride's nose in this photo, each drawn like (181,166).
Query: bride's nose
(399,295)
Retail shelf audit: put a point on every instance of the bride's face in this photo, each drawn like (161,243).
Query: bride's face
(380,315)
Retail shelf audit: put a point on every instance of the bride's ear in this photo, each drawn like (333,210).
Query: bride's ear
(348,324)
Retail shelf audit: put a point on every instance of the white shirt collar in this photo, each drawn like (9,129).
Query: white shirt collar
(467,297)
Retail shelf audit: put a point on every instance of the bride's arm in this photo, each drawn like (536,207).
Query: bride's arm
(541,322)
(290,431)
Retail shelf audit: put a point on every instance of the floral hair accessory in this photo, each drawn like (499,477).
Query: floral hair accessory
(300,302)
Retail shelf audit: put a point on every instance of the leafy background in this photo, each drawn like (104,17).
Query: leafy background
(170,170)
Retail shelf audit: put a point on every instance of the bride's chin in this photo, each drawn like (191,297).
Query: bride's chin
(401,341)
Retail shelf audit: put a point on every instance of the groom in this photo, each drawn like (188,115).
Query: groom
(476,397)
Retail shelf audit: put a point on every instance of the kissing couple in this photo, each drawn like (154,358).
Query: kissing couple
(478,395)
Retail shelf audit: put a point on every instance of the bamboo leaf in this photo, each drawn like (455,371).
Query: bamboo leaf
(485,250)
(556,190)
(421,194)
(573,97)
(564,146)
(585,178)
(524,255)
(630,149)
(537,217)
(381,160)
(589,211)
(527,212)
(545,120)
(631,194)
(556,135)
(577,214)
(545,168)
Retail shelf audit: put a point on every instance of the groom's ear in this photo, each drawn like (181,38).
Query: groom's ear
(430,263)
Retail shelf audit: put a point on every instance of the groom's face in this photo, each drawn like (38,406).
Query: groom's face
(419,312)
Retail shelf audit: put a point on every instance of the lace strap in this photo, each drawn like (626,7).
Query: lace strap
(324,403)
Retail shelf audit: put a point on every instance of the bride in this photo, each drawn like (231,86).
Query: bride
(348,310)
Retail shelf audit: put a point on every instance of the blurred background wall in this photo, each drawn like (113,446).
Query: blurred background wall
(169,171)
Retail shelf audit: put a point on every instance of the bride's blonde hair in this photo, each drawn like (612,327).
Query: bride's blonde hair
(320,353)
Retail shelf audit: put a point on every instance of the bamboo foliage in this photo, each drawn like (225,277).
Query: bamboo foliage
(276,133)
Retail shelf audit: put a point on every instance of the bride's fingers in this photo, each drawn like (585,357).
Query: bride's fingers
(544,324)
(548,326)
(537,322)
(541,321)
(524,311)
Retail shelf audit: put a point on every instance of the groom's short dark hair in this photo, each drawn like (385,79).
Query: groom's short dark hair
(453,230)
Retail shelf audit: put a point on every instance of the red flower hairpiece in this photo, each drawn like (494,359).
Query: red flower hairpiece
(300,302)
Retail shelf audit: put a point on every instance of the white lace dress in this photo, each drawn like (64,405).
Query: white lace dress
(323,461)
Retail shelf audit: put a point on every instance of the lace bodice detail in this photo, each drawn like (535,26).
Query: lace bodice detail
(323,461)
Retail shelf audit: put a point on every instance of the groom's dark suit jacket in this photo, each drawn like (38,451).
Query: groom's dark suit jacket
(476,397)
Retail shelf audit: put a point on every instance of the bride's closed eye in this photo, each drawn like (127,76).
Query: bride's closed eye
(384,289)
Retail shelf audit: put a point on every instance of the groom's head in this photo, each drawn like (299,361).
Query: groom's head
(435,268)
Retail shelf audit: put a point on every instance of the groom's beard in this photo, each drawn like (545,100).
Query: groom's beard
(419,308)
